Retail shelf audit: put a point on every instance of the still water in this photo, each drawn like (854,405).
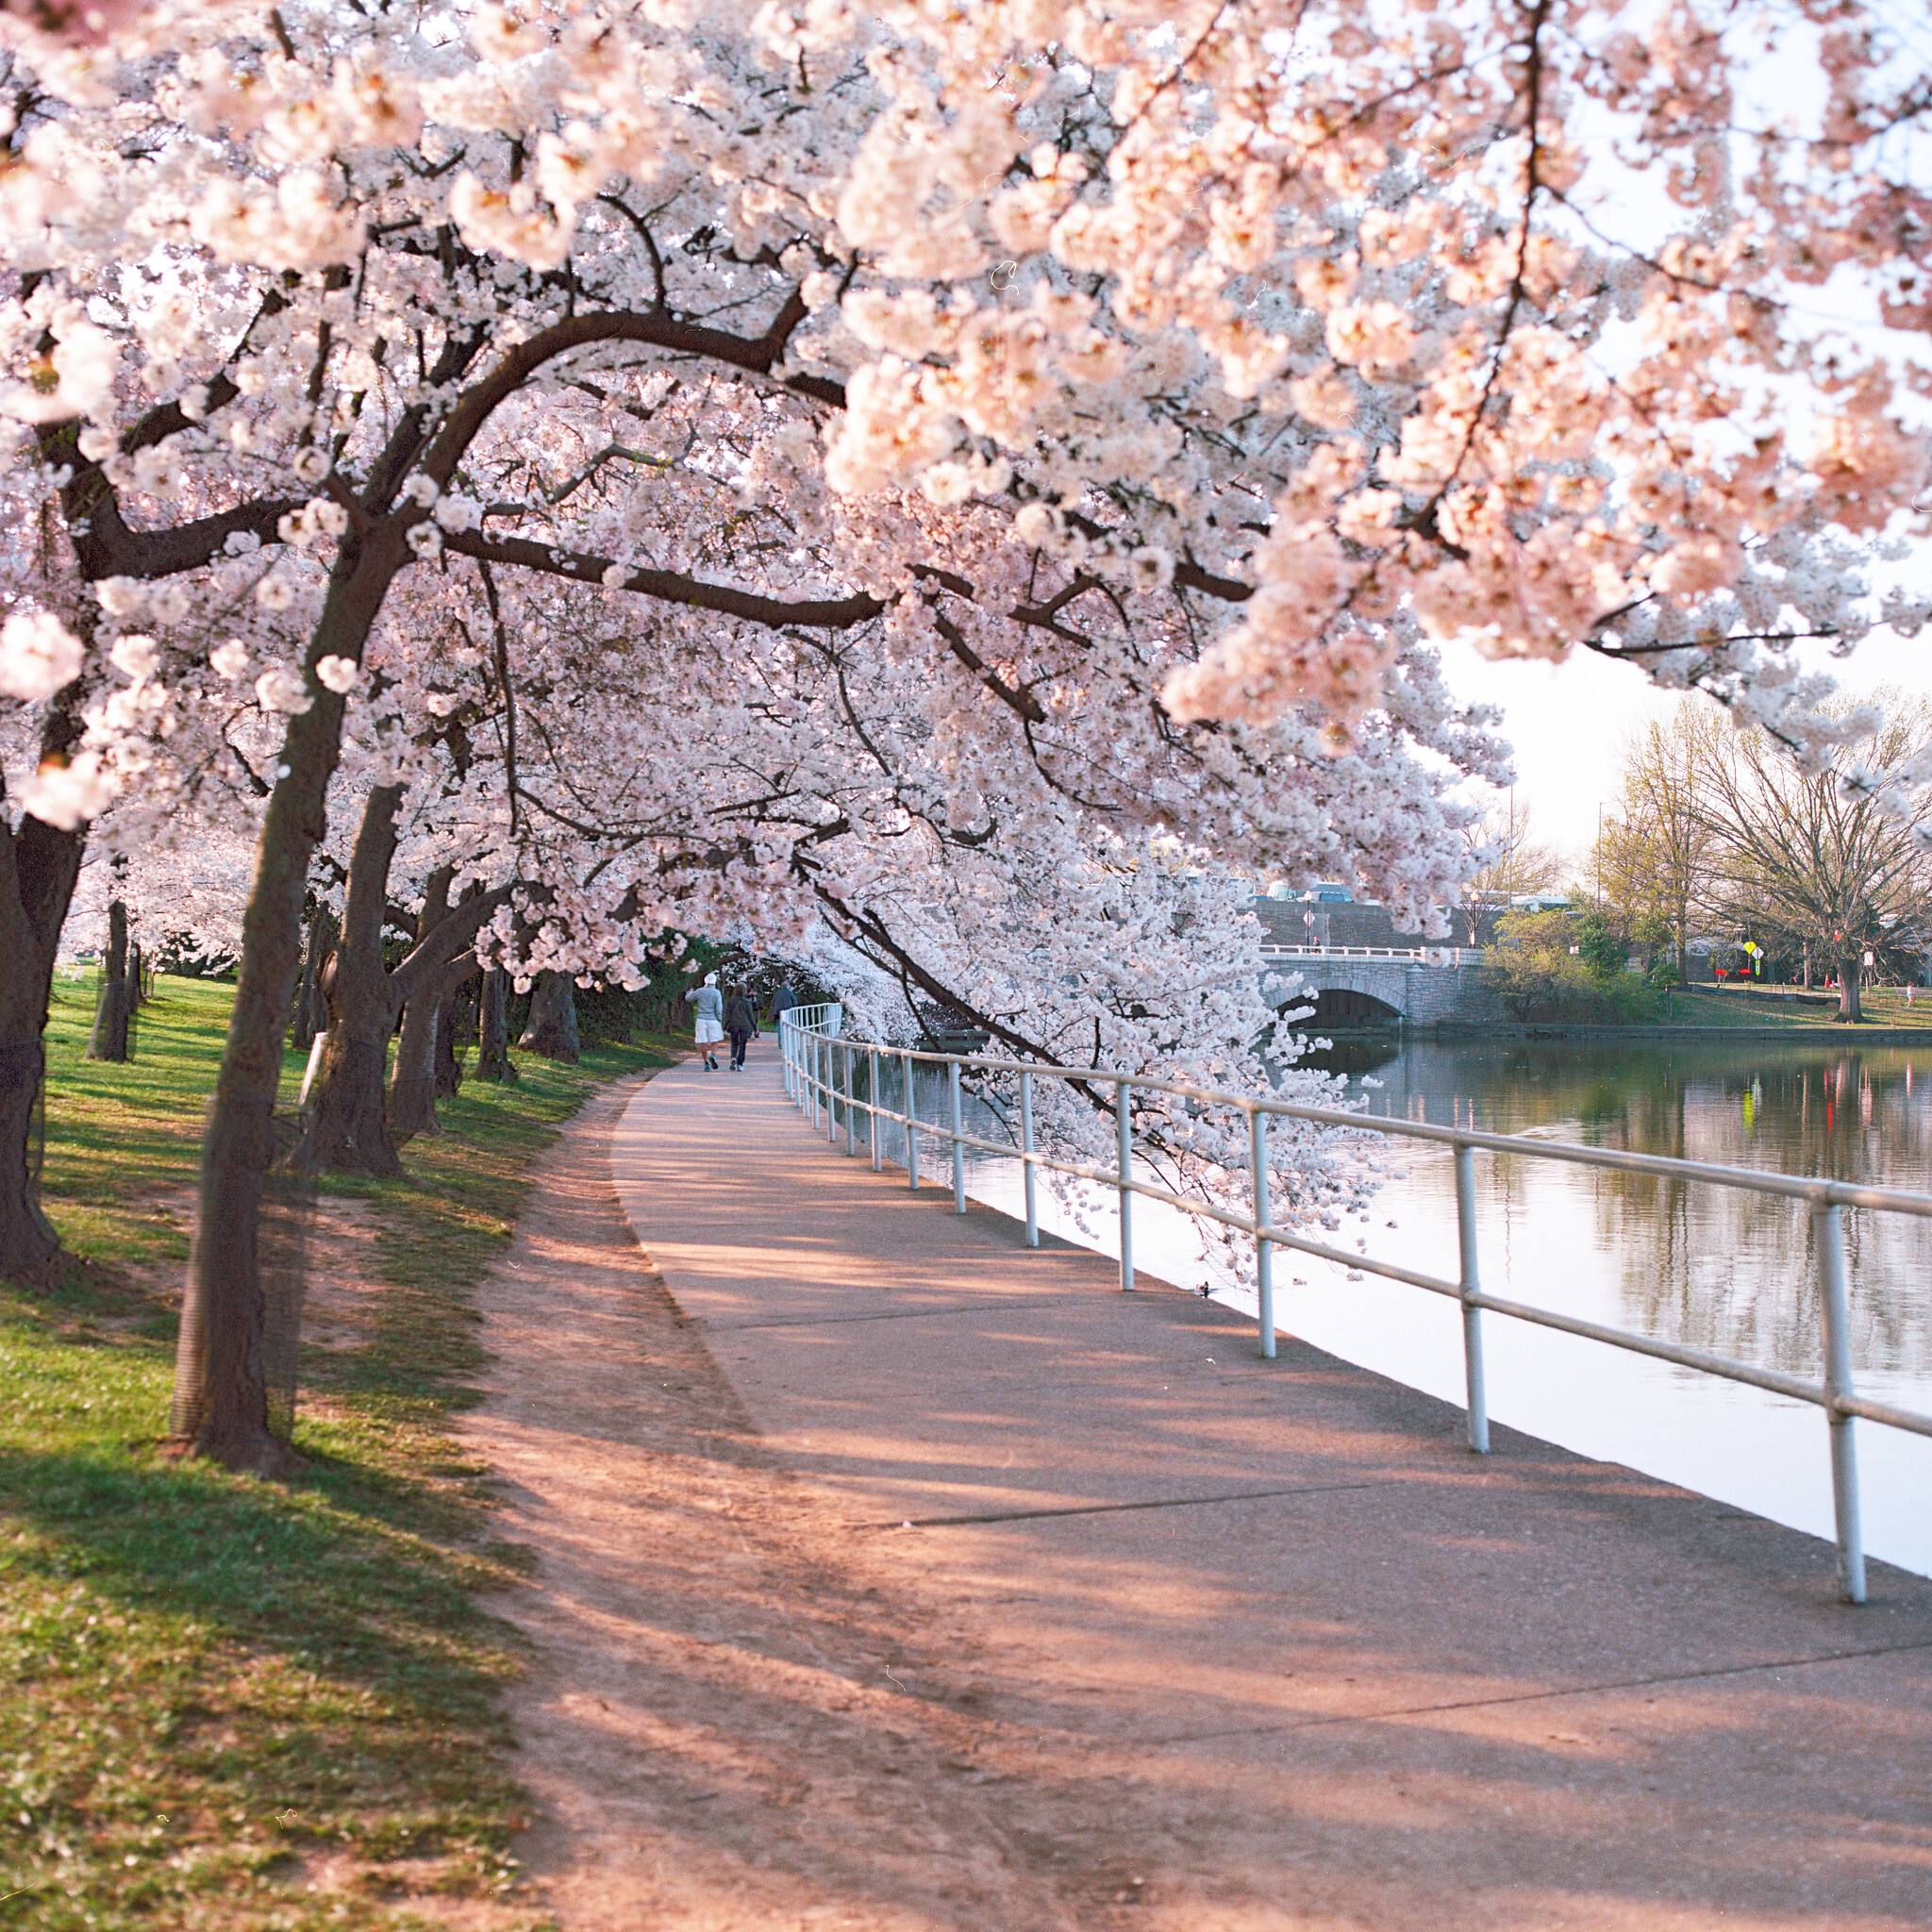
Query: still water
(1708,1267)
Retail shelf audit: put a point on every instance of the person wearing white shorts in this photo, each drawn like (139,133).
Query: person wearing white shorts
(708,1003)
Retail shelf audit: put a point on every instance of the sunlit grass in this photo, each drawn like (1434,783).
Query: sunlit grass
(1711,1005)
(224,1703)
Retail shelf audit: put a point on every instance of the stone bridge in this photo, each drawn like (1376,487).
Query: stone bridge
(1361,985)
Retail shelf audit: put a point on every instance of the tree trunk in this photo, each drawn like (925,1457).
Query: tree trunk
(348,1131)
(493,1028)
(311,1011)
(221,1397)
(1850,968)
(138,994)
(553,1028)
(39,865)
(28,1241)
(454,1019)
(108,1040)
(412,1093)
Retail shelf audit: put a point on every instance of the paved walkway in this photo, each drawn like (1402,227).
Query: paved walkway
(1339,1671)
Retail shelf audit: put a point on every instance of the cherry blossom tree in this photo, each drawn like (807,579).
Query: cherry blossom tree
(1016,436)
(1513,307)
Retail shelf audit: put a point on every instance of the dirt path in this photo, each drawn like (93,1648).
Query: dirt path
(741,1715)
(1174,1639)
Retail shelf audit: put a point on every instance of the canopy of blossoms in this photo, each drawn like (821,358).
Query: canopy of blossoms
(967,475)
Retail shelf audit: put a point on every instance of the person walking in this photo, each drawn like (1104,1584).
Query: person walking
(782,1003)
(708,1003)
(740,1023)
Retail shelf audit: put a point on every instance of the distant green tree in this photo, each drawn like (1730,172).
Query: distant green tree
(1602,944)
(1653,858)
(1531,964)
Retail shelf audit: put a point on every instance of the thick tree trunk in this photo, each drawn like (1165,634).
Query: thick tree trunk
(138,993)
(348,1131)
(38,866)
(493,1028)
(426,1037)
(28,1241)
(553,1028)
(1850,968)
(412,1093)
(221,1397)
(443,959)
(108,1040)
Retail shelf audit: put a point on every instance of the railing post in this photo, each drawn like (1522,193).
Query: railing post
(850,1093)
(1026,1158)
(1123,1130)
(811,1079)
(958,1145)
(831,1090)
(1472,1317)
(1265,1248)
(911,1125)
(1835,1314)
(872,1099)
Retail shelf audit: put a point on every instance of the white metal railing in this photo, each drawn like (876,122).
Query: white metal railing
(820,1075)
(1425,956)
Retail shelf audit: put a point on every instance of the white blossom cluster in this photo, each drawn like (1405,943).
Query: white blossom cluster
(910,467)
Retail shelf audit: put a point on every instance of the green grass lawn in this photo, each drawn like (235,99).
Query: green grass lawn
(214,1691)
(1713,1005)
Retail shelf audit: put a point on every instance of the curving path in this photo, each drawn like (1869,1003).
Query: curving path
(890,1574)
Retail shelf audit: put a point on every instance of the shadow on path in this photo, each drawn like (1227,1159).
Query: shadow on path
(894,1576)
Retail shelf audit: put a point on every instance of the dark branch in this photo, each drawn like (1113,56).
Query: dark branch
(755,354)
(830,613)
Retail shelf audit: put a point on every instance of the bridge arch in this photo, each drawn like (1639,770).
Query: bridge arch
(1346,1005)
(1369,988)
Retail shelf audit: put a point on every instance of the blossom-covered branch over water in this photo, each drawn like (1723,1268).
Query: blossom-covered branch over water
(975,476)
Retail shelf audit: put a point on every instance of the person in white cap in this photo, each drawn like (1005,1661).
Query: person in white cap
(708,1003)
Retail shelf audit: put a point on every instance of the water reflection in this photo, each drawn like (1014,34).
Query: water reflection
(1711,1267)
(1714,1269)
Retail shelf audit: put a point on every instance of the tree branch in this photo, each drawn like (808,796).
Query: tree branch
(755,353)
(670,587)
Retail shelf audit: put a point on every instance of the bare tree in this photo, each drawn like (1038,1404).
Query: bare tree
(1837,856)
(1511,862)
(1654,859)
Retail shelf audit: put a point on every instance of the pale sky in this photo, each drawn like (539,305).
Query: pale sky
(1571,721)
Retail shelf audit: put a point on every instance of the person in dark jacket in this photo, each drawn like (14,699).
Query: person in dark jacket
(740,1023)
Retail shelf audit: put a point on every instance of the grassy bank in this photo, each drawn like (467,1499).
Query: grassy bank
(1713,1005)
(226,1704)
